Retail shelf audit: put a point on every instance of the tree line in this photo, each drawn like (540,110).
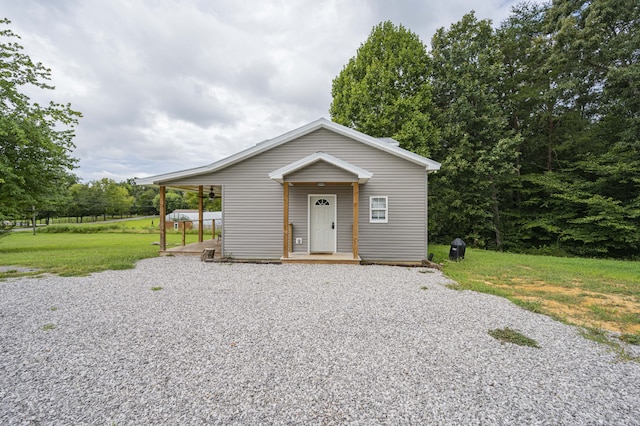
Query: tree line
(536,123)
(106,198)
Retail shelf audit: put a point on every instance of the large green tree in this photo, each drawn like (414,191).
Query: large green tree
(35,140)
(384,92)
(600,188)
(142,198)
(118,201)
(174,199)
(478,148)
(192,200)
(86,200)
(532,100)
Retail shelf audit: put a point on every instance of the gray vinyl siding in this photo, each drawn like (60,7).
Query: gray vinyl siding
(252,203)
(321,171)
(252,208)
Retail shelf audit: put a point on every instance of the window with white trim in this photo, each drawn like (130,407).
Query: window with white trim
(378,209)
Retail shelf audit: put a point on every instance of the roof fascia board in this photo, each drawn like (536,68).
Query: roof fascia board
(237,157)
(158,179)
(429,164)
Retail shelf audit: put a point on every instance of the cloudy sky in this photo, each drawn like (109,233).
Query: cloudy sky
(165,85)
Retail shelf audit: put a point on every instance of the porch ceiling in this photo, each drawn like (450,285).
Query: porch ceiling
(217,189)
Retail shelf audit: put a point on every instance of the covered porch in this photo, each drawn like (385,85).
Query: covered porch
(311,189)
(189,249)
(206,242)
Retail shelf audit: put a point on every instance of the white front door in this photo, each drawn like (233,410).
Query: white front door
(322,223)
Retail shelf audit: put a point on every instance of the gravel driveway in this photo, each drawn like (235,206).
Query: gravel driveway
(320,344)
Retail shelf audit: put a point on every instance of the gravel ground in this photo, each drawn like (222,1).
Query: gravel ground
(320,344)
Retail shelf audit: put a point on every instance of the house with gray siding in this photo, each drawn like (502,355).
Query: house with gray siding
(320,193)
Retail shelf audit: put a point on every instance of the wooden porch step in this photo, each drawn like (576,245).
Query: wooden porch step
(335,258)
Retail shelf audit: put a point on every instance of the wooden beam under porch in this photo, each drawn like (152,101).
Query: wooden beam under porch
(330,258)
(194,249)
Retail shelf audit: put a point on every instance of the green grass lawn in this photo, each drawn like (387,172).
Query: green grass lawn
(148,225)
(75,220)
(590,292)
(80,254)
(145,223)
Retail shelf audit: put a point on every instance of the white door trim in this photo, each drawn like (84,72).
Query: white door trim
(335,219)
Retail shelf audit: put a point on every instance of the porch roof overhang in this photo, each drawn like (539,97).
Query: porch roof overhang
(280,174)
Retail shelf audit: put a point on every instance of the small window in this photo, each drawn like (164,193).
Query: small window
(322,202)
(176,225)
(378,209)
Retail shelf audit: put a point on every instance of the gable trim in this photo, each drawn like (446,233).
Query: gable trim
(362,174)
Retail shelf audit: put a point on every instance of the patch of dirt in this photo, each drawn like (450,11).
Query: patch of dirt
(529,268)
(579,313)
(526,283)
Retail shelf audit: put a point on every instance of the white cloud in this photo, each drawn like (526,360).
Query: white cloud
(166,85)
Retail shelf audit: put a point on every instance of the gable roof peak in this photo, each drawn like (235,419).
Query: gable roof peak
(279,175)
(321,123)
